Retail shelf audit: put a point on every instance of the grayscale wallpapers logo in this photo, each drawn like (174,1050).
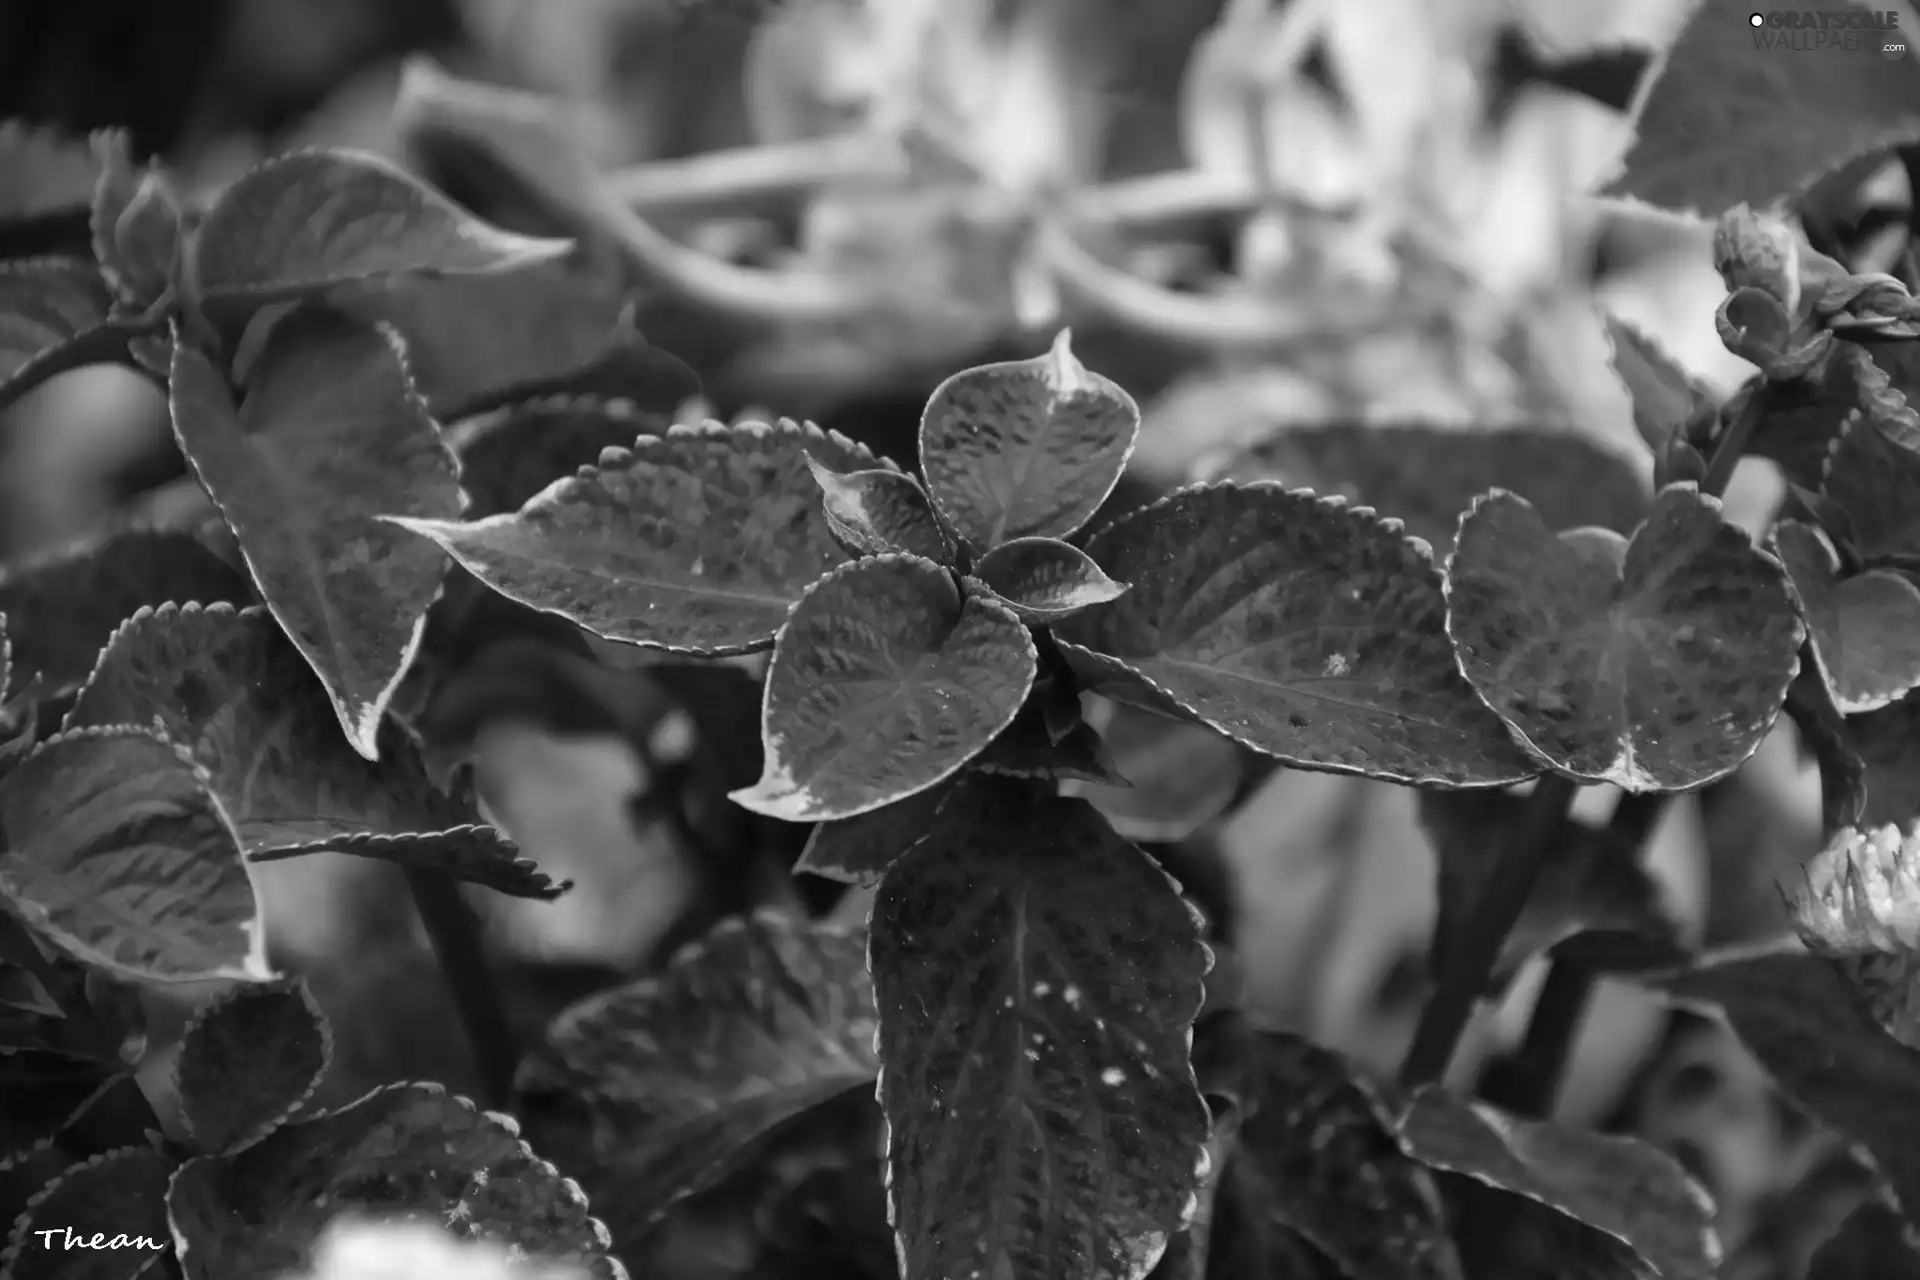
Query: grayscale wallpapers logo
(1847,30)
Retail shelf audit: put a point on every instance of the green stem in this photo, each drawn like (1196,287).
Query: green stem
(455,936)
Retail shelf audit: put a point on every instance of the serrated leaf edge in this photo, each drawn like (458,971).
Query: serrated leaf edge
(200,1015)
(17,1238)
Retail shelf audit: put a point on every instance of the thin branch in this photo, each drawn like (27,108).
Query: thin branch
(455,936)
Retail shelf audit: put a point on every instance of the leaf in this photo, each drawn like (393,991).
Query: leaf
(1296,625)
(1887,744)
(1425,476)
(62,608)
(1025,448)
(698,541)
(1874,1243)
(877,511)
(54,317)
(1178,776)
(103,1219)
(685,1076)
(307,220)
(1505,1237)
(45,1092)
(1731,114)
(508,456)
(1666,398)
(1620,1186)
(233,689)
(1824,737)
(329,439)
(1035,1053)
(1042,743)
(1044,580)
(858,850)
(247,1061)
(1864,628)
(1321,1159)
(404,1150)
(136,226)
(1870,476)
(886,680)
(119,854)
(1656,664)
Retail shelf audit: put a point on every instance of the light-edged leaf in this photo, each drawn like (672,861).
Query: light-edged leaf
(1025,448)
(471,852)
(1620,1186)
(698,541)
(1869,476)
(511,454)
(881,510)
(103,1219)
(887,678)
(55,315)
(681,1077)
(1042,1112)
(1177,776)
(1656,663)
(307,220)
(1666,398)
(1800,418)
(330,438)
(46,1091)
(247,1060)
(1044,580)
(1426,476)
(1864,628)
(405,1150)
(136,224)
(1299,626)
(858,850)
(1732,113)
(119,853)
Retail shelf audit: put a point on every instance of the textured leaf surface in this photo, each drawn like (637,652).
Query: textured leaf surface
(1723,118)
(303,221)
(1871,476)
(1042,1112)
(881,510)
(1655,664)
(885,681)
(701,540)
(508,456)
(858,850)
(1179,776)
(1296,625)
(329,438)
(136,225)
(61,609)
(471,852)
(53,317)
(44,1092)
(1665,396)
(108,1219)
(1426,476)
(247,1061)
(1044,580)
(1320,1148)
(1025,447)
(1865,629)
(407,1150)
(684,1076)
(1621,1186)
(118,853)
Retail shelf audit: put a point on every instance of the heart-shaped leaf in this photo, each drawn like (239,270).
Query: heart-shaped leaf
(119,853)
(1666,398)
(308,220)
(1025,448)
(886,679)
(1297,625)
(1871,476)
(1035,1053)
(112,1208)
(247,1061)
(684,1076)
(508,456)
(858,850)
(406,1150)
(330,438)
(1620,1186)
(1425,476)
(55,315)
(136,226)
(1864,629)
(878,510)
(698,541)
(1733,113)
(1044,580)
(1656,664)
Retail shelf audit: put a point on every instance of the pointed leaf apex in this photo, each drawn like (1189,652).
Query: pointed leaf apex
(1064,372)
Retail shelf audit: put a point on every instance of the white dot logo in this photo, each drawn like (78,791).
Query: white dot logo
(1756,19)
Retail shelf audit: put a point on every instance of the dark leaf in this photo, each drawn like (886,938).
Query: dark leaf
(104,1219)
(858,850)
(1735,114)
(54,316)
(1426,476)
(1617,1185)
(698,541)
(1666,398)
(44,1092)
(472,853)
(1657,663)
(1887,744)
(407,1150)
(508,456)
(136,226)
(248,1059)
(1025,448)
(1044,580)
(886,680)
(1177,776)
(1864,629)
(329,438)
(1801,418)
(1042,1111)
(307,220)
(1871,477)
(1874,1243)
(684,1076)
(119,854)
(1824,736)
(879,510)
(1507,1237)
(1296,625)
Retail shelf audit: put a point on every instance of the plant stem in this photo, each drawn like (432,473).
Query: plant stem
(739,180)
(1733,443)
(1463,973)
(455,936)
